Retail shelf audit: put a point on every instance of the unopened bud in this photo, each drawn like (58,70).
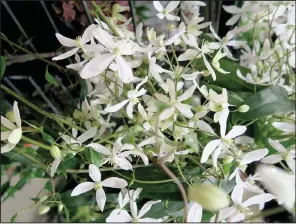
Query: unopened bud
(10,116)
(43,209)
(227,159)
(243,108)
(60,207)
(42,199)
(209,196)
(55,152)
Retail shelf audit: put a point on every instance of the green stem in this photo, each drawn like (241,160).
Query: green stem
(36,143)
(104,18)
(45,113)
(180,171)
(32,159)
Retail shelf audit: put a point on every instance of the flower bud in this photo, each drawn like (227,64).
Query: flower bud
(243,108)
(209,196)
(227,159)
(42,199)
(43,209)
(55,152)
(10,116)
(60,207)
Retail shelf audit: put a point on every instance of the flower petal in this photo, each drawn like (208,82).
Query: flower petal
(216,154)
(194,213)
(94,173)
(65,41)
(54,166)
(238,218)
(16,114)
(146,207)
(114,182)
(236,131)
(291,165)
(103,37)
(66,55)
(82,188)
(5,135)
(90,133)
(148,141)
(258,199)
(172,17)
(101,198)
(166,113)
(124,164)
(184,109)
(7,123)
(116,107)
(202,125)
(99,148)
(237,194)
(254,156)
(210,147)
(158,6)
(172,5)
(124,70)
(8,147)
(189,54)
(276,145)
(223,121)
(88,34)
(129,110)
(123,216)
(272,159)
(187,94)
(15,136)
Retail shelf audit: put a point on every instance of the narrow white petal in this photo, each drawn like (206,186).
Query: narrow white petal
(233,20)
(124,164)
(103,37)
(276,145)
(124,70)
(237,194)
(172,17)
(223,121)
(8,147)
(216,154)
(162,98)
(160,15)
(5,135)
(189,54)
(94,173)
(114,182)
(16,114)
(142,112)
(54,166)
(291,165)
(172,5)
(208,66)
(99,148)
(146,207)
(272,159)
(96,66)
(284,126)
(234,173)
(82,188)
(194,213)
(124,216)
(236,131)
(88,34)
(166,113)
(66,55)
(90,133)
(258,199)
(202,125)
(15,136)
(238,218)
(184,109)
(148,141)
(65,41)
(187,94)
(254,156)
(116,107)
(7,123)
(101,198)
(208,150)
(158,6)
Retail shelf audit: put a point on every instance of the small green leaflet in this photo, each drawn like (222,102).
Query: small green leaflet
(47,138)
(3,66)
(49,78)
(95,158)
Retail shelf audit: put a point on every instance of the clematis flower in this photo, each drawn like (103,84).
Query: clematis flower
(175,102)
(240,210)
(287,155)
(194,212)
(123,200)
(101,61)
(98,184)
(13,136)
(216,146)
(132,100)
(78,43)
(249,183)
(164,12)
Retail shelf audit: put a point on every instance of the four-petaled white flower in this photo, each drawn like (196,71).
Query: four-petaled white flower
(165,12)
(287,155)
(216,146)
(13,136)
(95,175)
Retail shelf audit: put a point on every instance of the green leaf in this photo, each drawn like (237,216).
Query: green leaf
(13,218)
(48,186)
(3,66)
(95,158)
(67,214)
(46,137)
(49,78)
(4,188)
(273,100)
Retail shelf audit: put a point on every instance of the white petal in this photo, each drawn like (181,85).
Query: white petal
(114,182)
(142,112)
(16,114)
(272,159)
(139,32)
(238,218)
(116,107)
(99,148)
(233,20)
(284,126)
(202,125)
(146,207)
(291,165)
(258,199)
(134,208)
(101,198)
(226,212)
(234,173)
(82,188)
(254,156)
(15,136)
(150,220)
(94,173)
(65,41)
(223,121)
(96,66)
(276,145)
(189,54)
(88,34)
(124,70)
(7,123)
(162,98)
(244,140)
(214,33)
(236,43)
(129,110)
(8,147)
(124,164)
(90,133)
(231,9)
(236,131)
(216,154)
(148,141)
(5,135)
(160,15)
(122,217)
(103,37)
(166,113)
(66,55)
(210,147)
(172,5)
(237,194)
(184,109)
(209,68)
(158,6)
(194,213)
(187,94)
(172,18)
(54,166)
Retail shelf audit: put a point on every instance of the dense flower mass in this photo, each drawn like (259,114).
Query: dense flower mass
(155,99)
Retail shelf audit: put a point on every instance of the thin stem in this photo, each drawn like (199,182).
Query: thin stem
(133,13)
(180,171)
(36,143)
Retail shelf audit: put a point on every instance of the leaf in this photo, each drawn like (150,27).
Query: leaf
(48,186)
(15,188)
(50,79)
(95,158)
(3,67)
(13,218)
(67,214)
(273,100)
(4,188)
(87,198)
(46,137)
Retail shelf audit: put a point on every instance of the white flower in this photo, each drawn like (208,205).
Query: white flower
(95,175)
(249,183)
(168,152)
(215,61)
(132,100)
(194,212)
(79,43)
(13,136)
(175,102)
(287,127)
(280,183)
(123,200)
(216,146)
(164,12)
(247,158)
(287,155)
(240,210)
(101,61)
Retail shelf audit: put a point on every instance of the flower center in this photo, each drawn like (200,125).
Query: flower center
(117,51)
(98,186)
(78,41)
(164,12)
(227,141)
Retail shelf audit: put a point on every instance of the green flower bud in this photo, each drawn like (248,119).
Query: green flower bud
(42,199)
(43,209)
(243,108)
(60,207)
(209,196)
(10,116)
(55,152)
(227,159)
